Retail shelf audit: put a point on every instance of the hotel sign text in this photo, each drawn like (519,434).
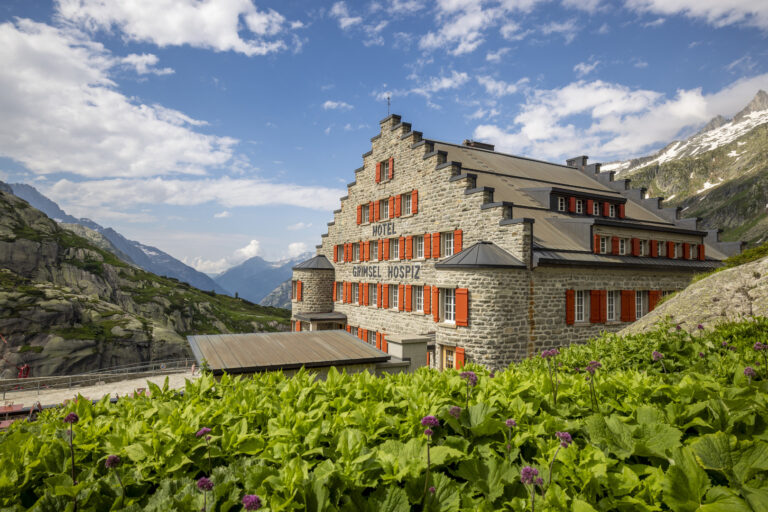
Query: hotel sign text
(389,271)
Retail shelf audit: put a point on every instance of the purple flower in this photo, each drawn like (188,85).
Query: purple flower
(700,327)
(511,423)
(455,411)
(430,421)
(657,356)
(677,327)
(203,431)
(759,346)
(527,474)
(428,432)
(492,374)
(565,439)
(470,376)
(732,348)
(701,354)
(112,461)
(204,484)
(724,344)
(251,502)
(749,371)
(432,490)
(509,447)
(71,418)
(539,481)
(550,353)
(593,366)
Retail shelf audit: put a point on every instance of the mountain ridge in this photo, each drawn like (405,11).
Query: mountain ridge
(255,278)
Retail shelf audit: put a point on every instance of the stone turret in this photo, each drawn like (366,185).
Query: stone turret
(313,286)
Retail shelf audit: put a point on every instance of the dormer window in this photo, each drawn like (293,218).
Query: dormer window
(612,210)
(622,246)
(561,204)
(579,206)
(603,244)
(595,208)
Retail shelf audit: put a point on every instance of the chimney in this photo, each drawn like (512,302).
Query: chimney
(578,162)
(478,145)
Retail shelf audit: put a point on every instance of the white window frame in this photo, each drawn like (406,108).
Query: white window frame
(446,242)
(385,170)
(406,206)
(384,208)
(661,246)
(366,214)
(622,246)
(603,244)
(418,246)
(339,291)
(418,298)
(449,305)
(394,248)
(641,303)
(613,302)
(694,251)
(643,247)
(612,210)
(580,206)
(353,331)
(581,305)
(355,293)
(374,250)
(393,296)
(678,250)
(371,338)
(595,208)
(340,253)
(294,288)
(373,296)
(356,249)
(561,204)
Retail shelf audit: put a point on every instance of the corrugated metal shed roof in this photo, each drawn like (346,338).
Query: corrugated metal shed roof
(479,255)
(247,353)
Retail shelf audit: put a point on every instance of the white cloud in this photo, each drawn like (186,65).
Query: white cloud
(212,24)
(296,248)
(336,105)
(341,13)
(482,113)
(584,68)
(441,83)
(567,29)
(499,88)
(640,64)
(222,215)
(718,13)
(497,55)
(145,64)
(608,120)
(224,191)
(655,23)
(463,33)
(61,112)
(249,251)
(512,31)
(328,129)
(298,226)
(220,265)
(584,5)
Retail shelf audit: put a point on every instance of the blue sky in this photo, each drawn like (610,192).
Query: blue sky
(222,129)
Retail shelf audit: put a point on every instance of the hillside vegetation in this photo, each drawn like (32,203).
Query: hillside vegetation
(660,421)
(68,306)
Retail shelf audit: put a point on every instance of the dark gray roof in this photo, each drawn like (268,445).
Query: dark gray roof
(248,353)
(311,317)
(318,262)
(610,260)
(480,255)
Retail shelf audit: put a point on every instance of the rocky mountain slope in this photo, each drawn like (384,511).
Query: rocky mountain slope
(280,297)
(720,174)
(256,278)
(147,257)
(68,306)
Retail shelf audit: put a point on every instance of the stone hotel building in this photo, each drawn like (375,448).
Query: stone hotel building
(491,257)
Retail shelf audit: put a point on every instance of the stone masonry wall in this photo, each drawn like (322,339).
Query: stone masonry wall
(316,291)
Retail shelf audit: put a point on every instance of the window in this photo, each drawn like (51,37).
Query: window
(339,291)
(449,353)
(595,208)
(340,252)
(694,251)
(418,246)
(612,210)
(373,296)
(622,246)
(643,247)
(579,206)
(355,293)
(394,248)
(662,248)
(384,209)
(293,289)
(603,244)
(641,303)
(449,306)
(446,241)
(371,338)
(385,170)
(353,331)
(581,298)
(356,252)
(393,296)
(560,204)
(418,298)
(406,206)
(678,250)
(613,298)
(366,213)
(374,250)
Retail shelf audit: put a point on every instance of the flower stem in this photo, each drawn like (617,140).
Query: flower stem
(426,479)
(117,473)
(210,464)
(551,465)
(72,451)
(533,498)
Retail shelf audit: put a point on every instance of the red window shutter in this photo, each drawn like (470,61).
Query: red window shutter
(635,247)
(457,241)
(298,290)
(359,214)
(571,204)
(367,251)
(385,296)
(381,249)
(427,245)
(702,257)
(462,307)
(671,250)
(349,328)
(391,207)
(378,172)
(615,245)
(436,303)
(376,211)
(686,251)
(594,306)
(298,326)
(401,297)
(398,203)
(427,297)
(384,343)
(386,249)
(570,306)
(415,201)
(378,340)
(603,306)
(654,248)
(391,167)
(364,287)
(428,363)
(435,245)
(378,295)
(334,291)
(459,358)
(590,204)
(621,211)
(653,299)
(409,247)
(606,209)
(631,296)
(597,244)
(627,306)
(401,248)
(362,333)
(408,297)
(335,253)
(371,208)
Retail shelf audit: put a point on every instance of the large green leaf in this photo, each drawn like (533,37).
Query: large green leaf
(685,482)
(611,435)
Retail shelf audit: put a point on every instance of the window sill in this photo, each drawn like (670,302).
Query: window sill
(447,325)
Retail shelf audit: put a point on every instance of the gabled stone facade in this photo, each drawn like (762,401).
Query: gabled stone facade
(542,271)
